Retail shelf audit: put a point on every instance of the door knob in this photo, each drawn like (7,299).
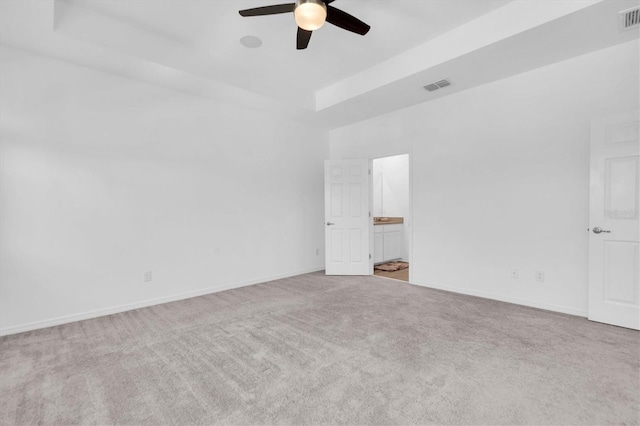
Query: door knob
(598,230)
(330,223)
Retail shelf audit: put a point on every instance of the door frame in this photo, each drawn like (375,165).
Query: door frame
(408,221)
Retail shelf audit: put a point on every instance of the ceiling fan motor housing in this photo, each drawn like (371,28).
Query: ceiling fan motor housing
(310,15)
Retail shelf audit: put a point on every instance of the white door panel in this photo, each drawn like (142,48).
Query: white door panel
(378,254)
(614,240)
(348,222)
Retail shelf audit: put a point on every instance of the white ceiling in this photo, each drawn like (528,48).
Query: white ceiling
(193,46)
(212,29)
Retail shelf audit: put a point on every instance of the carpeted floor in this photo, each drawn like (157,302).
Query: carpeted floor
(333,350)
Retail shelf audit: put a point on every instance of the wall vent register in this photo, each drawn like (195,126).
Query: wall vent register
(630,18)
(437,85)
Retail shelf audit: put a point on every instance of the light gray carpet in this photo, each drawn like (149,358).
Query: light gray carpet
(315,349)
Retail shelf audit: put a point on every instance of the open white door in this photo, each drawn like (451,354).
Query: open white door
(614,240)
(347,217)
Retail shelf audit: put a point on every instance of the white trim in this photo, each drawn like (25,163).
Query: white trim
(529,303)
(411,213)
(143,304)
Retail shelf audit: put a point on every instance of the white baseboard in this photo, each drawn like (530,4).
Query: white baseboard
(529,303)
(14,329)
(157,301)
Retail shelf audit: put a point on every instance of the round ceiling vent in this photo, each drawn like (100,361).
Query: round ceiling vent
(251,42)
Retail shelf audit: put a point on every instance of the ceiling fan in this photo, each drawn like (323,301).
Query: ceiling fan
(310,15)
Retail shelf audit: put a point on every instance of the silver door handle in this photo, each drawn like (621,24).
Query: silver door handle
(330,223)
(598,230)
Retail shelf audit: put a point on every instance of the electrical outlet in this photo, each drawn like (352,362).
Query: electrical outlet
(540,276)
(514,274)
(147,276)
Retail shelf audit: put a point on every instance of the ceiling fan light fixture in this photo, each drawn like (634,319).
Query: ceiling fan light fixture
(310,14)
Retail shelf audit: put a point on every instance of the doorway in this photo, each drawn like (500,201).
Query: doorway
(391,216)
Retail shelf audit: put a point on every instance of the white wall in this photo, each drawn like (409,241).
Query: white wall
(500,177)
(390,177)
(104,177)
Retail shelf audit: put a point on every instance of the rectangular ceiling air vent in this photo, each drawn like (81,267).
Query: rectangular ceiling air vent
(629,18)
(437,85)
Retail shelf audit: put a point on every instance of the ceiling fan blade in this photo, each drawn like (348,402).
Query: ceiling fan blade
(328,1)
(345,21)
(269,10)
(303,38)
